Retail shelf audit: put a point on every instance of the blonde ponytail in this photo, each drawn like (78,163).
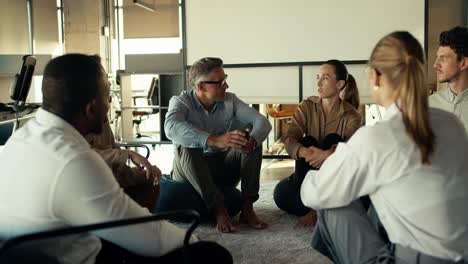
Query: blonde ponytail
(414,107)
(400,57)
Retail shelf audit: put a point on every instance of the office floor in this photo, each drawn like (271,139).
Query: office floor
(281,242)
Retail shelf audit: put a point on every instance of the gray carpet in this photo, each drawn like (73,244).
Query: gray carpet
(279,243)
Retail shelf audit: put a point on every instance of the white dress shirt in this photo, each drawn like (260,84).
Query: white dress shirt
(51,178)
(423,207)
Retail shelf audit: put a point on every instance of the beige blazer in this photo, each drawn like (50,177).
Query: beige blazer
(309,120)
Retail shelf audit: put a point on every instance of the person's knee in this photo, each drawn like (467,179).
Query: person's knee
(335,216)
(308,141)
(177,196)
(189,153)
(287,198)
(331,139)
(280,193)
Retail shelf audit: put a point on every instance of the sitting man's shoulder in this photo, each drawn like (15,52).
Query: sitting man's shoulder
(185,98)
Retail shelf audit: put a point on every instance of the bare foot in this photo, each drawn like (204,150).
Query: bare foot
(307,220)
(249,217)
(223,221)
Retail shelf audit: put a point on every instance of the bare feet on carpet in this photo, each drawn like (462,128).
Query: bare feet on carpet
(307,220)
(249,217)
(223,221)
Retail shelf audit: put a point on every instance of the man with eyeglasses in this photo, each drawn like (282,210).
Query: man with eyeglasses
(217,140)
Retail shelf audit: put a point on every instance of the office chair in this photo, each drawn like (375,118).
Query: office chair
(17,250)
(152,99)
(22,82)
(136,146)
(279,114)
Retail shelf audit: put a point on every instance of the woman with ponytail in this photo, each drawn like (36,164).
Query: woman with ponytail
(413,165)
(319,123)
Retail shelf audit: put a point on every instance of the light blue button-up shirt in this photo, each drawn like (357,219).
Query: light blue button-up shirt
(189,124)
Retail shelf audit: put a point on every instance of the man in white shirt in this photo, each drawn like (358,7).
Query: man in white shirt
(451,66)
(51,178)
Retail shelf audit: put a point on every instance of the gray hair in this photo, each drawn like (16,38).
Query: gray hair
(202,68)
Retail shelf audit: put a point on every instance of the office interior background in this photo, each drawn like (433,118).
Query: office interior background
(271,49)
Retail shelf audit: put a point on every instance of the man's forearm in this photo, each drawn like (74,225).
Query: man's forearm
(211,141)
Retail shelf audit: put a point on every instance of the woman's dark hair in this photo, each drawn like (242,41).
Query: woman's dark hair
(350,89)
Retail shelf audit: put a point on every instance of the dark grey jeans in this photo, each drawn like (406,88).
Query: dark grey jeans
(352,235)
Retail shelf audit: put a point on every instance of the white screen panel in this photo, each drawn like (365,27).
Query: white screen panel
(14,36)
(268,31)
(265,85)
(358,72)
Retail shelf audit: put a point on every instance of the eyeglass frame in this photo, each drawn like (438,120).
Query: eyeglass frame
(220,83)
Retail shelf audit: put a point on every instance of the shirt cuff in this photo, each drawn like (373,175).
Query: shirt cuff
(203,138)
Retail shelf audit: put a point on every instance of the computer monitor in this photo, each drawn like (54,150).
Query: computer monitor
(169,85)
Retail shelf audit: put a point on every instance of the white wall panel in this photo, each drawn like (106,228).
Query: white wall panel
(268,31)
(269,84)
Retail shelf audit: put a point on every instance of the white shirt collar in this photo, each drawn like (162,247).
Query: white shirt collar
(51,120)
(391,111)
(451,95)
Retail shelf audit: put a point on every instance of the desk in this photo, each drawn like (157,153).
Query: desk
(8,118)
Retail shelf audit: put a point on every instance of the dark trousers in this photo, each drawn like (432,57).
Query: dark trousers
(199,181)
(176,195)
(200,252)
(287,192)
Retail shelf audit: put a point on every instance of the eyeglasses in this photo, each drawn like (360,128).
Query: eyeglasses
(220,83)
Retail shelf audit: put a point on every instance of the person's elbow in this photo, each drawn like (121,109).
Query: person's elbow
(309,193)
(170,128)
(309,198)
(265,124)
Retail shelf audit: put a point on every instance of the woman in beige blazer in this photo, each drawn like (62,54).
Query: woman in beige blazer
(319,123)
